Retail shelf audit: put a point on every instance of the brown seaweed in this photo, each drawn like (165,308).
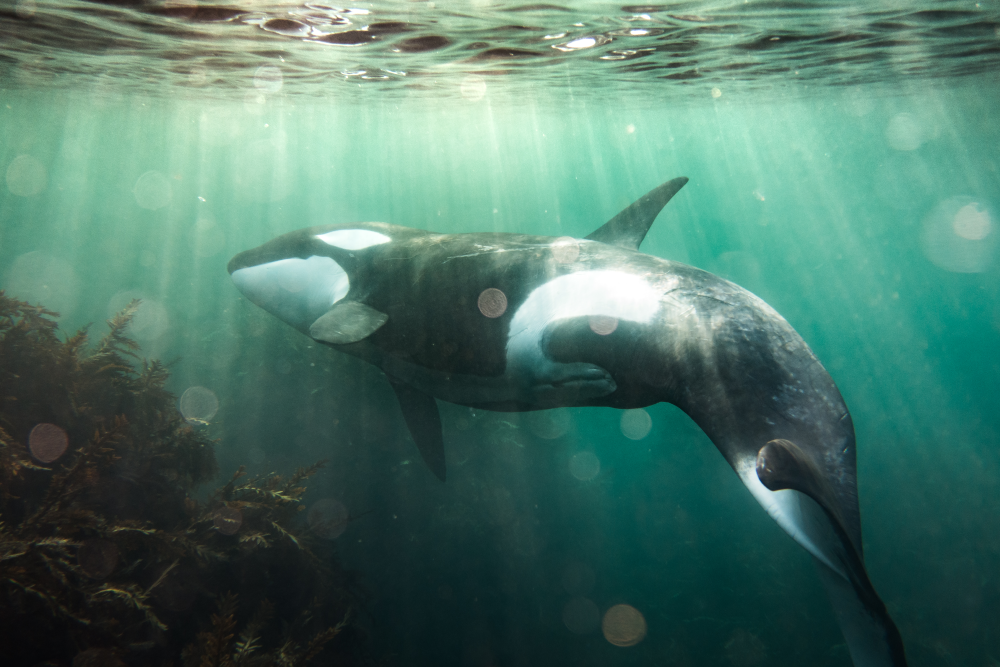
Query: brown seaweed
(107,556)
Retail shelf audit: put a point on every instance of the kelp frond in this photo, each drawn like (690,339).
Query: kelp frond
(105,545)
(212,648)
(116,341)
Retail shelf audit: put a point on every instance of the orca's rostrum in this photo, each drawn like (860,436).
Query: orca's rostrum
(514,322)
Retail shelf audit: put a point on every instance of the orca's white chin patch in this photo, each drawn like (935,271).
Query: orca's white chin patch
(353,239)
(296,291)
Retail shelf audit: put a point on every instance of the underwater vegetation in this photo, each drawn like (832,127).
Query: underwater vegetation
(106,556)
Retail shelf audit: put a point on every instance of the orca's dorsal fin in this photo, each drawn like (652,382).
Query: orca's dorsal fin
(628,228)
(347,322)
(424,421)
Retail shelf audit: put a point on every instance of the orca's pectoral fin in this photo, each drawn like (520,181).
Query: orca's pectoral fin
(347,322)
(872,638)
(628,228)
(422,418)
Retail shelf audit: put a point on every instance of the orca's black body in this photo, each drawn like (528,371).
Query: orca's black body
(514,323)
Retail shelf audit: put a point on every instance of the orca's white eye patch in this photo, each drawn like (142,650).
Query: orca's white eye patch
(353,239)
(297,291)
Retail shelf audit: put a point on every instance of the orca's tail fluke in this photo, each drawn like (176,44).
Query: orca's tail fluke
(777,417)
(872,638)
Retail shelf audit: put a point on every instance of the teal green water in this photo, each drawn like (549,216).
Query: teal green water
(868,217)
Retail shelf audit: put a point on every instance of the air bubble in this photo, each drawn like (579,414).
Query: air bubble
(624,625)
(228,520)
(26,176)
(492,302)
(198,404)
(603,325)
(47,442)
(584,466)
(581,616)
(328,518)
(152,191)
(636,424)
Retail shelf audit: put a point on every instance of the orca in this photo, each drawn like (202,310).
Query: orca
(517,322)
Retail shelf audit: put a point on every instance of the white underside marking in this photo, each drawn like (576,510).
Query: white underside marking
(796,513)
(353,239)
(624,296)
(296,291)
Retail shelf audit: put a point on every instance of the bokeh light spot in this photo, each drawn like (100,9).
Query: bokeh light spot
(549,424)
(152,191)
(565,249)
(198,404)
(328,518)
(26,176)
(97,558)
(268,79)
(228,520)
(150,320)
(972,222)
(492,302)
(47,442)
(603,325)
(584,466)
(958,235)
(208,239)
(904,132)
(473,87)
(624,625)
(636,424)
(581,616)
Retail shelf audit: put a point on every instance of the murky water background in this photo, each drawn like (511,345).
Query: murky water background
(143,146)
